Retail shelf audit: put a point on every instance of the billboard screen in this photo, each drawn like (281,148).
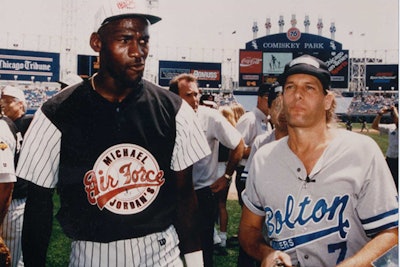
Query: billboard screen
(29,65)
(384,77)
(273,64)
(88,65)
(206,73)
(278,49)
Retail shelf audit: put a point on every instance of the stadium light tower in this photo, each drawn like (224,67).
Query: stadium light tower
(68,52)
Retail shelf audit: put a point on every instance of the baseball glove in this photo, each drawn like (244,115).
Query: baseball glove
(5,257)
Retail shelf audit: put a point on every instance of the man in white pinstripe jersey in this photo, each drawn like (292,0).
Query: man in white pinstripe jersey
(119,151)
(9,148)
(14,106)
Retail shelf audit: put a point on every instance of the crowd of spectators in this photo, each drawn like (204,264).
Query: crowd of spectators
(365,104)
(36,93)
(370,103)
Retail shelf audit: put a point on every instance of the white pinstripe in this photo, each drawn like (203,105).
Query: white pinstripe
(142,251)
(190,143)
(12,230)
(40,153)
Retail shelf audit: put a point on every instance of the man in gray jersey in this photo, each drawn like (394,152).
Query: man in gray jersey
(325,196)
(119,151)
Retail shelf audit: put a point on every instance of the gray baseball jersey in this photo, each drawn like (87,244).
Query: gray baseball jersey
(329,215)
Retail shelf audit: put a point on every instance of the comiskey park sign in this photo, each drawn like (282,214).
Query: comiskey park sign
(264,58)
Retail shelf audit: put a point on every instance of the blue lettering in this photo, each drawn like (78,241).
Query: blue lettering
(289,211)
(279,221)
(303,205)
(318,211)
(269,215)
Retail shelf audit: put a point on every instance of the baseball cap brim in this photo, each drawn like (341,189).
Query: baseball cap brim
(150,18)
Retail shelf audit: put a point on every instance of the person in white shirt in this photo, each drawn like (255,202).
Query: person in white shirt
(206,180)
(391,129)
(250,125)
(9,146)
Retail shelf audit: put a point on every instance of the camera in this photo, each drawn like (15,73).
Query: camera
(389,109)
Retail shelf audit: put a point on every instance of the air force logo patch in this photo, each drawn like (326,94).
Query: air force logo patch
(125,179)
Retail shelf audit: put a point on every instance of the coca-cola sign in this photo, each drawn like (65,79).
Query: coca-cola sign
(250,61)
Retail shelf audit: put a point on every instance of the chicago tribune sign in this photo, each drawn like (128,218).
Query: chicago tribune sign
(23,65)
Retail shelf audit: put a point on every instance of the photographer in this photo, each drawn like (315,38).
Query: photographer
(392,131)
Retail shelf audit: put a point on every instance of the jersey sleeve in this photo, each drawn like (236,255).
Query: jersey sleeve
(40,153)
(225,133)
(7,170)
(385,128)
(7,143)
(250,194)
(190,143)
(378,200)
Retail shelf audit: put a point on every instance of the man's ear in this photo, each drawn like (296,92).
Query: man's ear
(329,100)
(95,42)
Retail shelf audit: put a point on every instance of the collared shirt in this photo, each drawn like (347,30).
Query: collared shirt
(393,136)
(216,129)
(252,124)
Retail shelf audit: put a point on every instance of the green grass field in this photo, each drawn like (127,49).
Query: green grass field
(59,245)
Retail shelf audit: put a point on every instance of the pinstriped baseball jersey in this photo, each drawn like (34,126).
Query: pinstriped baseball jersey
(112,163)
(349,198)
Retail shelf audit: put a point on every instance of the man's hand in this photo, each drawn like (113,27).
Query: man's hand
(277,259)
(219,185)
(5,257)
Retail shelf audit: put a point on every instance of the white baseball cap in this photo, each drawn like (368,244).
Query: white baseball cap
(117,9)
(13,91)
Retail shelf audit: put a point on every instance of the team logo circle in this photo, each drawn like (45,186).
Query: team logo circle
(125,179)
(293,34)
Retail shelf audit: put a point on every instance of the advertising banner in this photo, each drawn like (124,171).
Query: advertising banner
(29,65)
(338,65)
(208,74)
(382,77)
(250,61)
(273,64)
(250,68)
(279,49)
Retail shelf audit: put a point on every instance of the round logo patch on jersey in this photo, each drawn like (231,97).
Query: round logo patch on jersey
(125,180)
